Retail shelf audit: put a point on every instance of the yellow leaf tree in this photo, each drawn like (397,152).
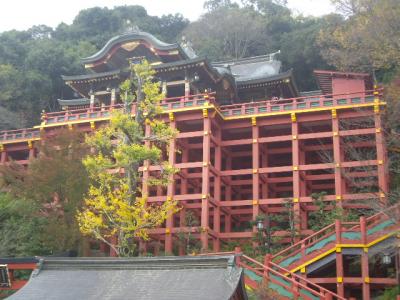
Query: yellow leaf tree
(115,209)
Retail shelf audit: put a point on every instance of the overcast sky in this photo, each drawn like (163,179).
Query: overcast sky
(23,14)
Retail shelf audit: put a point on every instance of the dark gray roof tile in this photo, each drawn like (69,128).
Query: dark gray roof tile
(166,278)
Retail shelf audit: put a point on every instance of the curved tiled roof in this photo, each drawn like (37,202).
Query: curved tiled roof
(263,78)
(135,35)
(90,76)
(250,68)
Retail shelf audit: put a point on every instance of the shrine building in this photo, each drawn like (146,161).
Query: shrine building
(249,142)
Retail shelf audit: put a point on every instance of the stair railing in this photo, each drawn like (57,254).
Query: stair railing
(346,228)
(301,246)
(299,286)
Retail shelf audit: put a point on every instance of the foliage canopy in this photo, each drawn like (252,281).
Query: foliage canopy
(116,205)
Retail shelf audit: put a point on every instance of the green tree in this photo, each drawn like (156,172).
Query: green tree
(324,215)
(367,40)
(186,239)
(54,183)
(115,205)
(20,226)
(220,35)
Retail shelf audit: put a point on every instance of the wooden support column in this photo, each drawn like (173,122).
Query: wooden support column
(142,247)
(264,164)
(339,260)
(296,171)
(184,181)
(113,241)
(3,155)
(145,177)
(228,196)
(205,187)
(217,191)
(337,158)
(183,191)
(380,156)
(303,188)
(256,166)
(364,261)
(302,160)
(31,150)
(146,165)
(182,223)
(170,190)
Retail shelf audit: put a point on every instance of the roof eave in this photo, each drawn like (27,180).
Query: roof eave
(130,37)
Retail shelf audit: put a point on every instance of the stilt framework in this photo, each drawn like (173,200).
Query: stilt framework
(239,161)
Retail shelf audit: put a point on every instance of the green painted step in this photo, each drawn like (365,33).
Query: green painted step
(282,290)
(347,235)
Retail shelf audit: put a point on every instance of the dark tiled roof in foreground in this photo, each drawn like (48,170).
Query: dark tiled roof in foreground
(175,278)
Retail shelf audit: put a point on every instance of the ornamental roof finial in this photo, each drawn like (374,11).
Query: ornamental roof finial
(131,28)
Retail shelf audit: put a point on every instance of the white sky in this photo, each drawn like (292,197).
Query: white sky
(23,14)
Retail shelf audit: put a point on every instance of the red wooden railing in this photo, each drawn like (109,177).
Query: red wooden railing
(243,109)
(339,231)
(78,114)
(188,101)
(293,104)
(26,133)
(104,111)
(299,286)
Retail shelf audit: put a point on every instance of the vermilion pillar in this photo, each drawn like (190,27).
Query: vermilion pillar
(337,158)
(339,260)
(380,155)
(183,191)
(364,260)
(182,223)
(31,150)
(3,155)
(264,164)
(217,190)
(170,191)
(296,171)
(256,175)
(228,196)
(146,165)
(205,186)
(184,181)
(145,177)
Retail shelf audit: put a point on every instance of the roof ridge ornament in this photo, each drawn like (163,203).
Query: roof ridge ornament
(131,28)
(272,55)
(187,46)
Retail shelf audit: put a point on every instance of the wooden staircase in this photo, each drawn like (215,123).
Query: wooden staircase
(282,271)
(362,234)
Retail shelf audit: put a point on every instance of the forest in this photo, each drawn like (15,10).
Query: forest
(32,61)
